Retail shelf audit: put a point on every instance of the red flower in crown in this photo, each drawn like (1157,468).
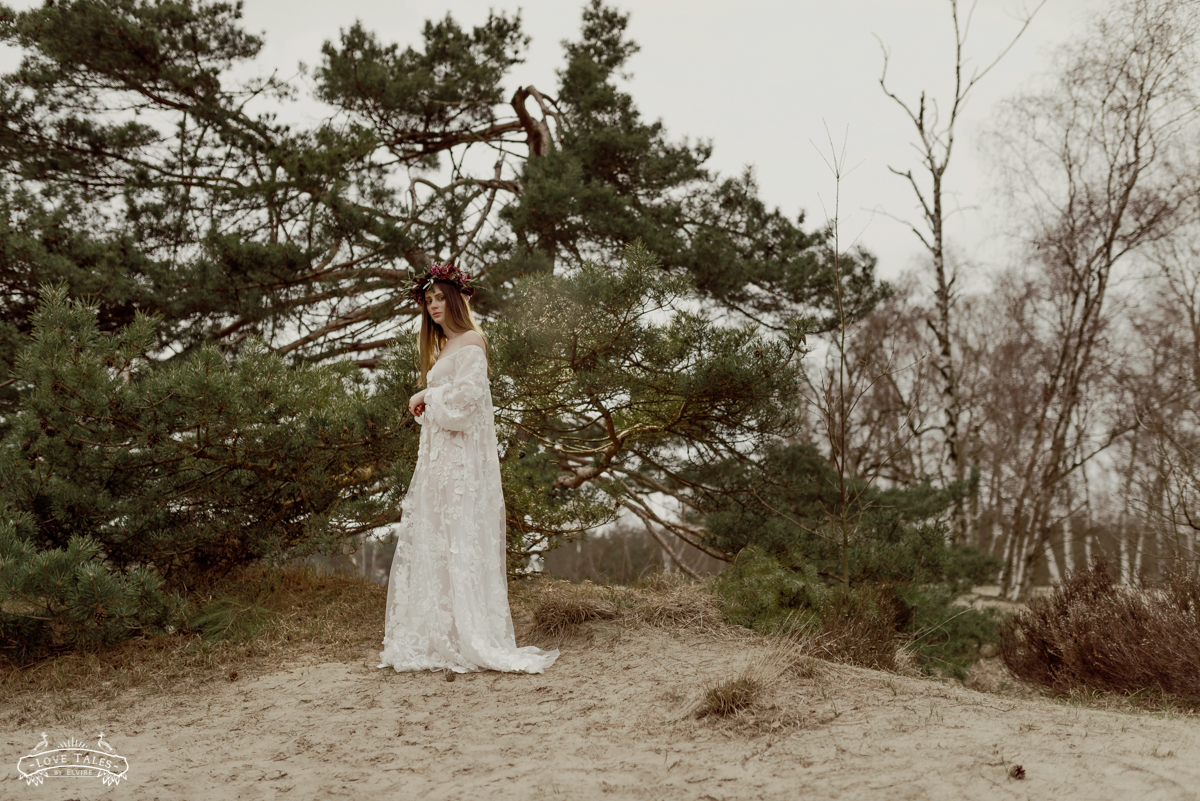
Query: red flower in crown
(441,272)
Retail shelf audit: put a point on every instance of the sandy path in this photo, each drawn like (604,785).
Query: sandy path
(605,722)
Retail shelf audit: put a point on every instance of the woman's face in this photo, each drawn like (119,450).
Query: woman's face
(435,302)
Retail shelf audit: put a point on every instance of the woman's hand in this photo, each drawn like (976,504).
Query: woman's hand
(416,404)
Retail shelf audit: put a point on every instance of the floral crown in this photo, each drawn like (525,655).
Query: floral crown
(441,272)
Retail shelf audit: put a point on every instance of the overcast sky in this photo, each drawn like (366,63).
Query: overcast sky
(762,79)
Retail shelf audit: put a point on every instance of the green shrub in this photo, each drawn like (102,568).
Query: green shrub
(865,625)
(947,638)
(54,599)
(790,504)
(759,593)
(964,567)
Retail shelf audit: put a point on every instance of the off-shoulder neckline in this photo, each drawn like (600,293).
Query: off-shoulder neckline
(460,350)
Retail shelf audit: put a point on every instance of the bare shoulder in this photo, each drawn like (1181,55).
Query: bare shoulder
(472,338)
(466,339)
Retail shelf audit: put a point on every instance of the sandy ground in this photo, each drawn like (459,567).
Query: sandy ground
(609,720)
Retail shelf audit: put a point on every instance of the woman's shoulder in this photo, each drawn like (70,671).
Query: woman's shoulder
(470,338)
(464,341)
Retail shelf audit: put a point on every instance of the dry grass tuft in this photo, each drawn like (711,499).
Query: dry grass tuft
(763,697)
(676,602)
(748,689)
(729,696)
(559,607)
(561,614)
(807,666)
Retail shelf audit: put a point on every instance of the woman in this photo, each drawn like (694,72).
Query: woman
(447,606)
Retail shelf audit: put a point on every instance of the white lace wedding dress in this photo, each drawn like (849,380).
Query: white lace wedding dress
(447,605)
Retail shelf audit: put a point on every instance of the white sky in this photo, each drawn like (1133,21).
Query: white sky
(762,79)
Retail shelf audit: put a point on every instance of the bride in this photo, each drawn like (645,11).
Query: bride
(447,604)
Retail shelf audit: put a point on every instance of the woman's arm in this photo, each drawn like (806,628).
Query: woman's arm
(452,406)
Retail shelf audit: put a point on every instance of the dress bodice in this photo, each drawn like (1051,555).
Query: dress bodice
(442,371)
(458,396)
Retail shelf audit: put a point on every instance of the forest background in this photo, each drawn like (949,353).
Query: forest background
(207,332)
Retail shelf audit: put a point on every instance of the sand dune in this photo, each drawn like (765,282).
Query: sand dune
(609,721)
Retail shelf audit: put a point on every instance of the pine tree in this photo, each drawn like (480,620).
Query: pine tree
(871,572)
(122,479)
(614,387)
(612,178)
(786,503)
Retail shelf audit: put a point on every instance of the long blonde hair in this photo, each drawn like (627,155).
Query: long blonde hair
(432,338)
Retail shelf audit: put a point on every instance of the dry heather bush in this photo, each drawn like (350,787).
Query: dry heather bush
(1183,591)
(1091,635)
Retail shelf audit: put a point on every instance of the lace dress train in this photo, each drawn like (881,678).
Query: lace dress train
(447,599)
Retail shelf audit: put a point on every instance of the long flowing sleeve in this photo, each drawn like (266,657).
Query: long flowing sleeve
(454,405)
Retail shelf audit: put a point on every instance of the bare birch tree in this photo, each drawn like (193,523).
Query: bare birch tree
(935,145)
(1167,396)
(1100,165)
